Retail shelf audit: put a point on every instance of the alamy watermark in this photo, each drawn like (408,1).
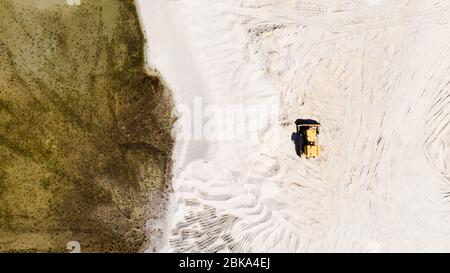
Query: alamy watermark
(229,122)
(74,247)
(73,2)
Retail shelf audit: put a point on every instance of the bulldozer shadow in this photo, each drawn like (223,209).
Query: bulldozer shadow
(297,139)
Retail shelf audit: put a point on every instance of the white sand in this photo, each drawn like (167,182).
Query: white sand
(374,73)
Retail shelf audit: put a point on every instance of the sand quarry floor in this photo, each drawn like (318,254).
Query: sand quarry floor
(376,74)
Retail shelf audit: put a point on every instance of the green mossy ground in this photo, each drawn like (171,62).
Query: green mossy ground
(85,136)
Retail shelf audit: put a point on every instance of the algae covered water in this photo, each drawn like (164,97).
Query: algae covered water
(85,133)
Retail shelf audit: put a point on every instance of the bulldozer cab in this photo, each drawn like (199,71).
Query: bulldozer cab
(308,136)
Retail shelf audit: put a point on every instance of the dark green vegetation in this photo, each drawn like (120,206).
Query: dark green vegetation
(84,133)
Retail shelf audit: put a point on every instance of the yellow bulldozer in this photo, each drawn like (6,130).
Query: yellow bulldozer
(307,138)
